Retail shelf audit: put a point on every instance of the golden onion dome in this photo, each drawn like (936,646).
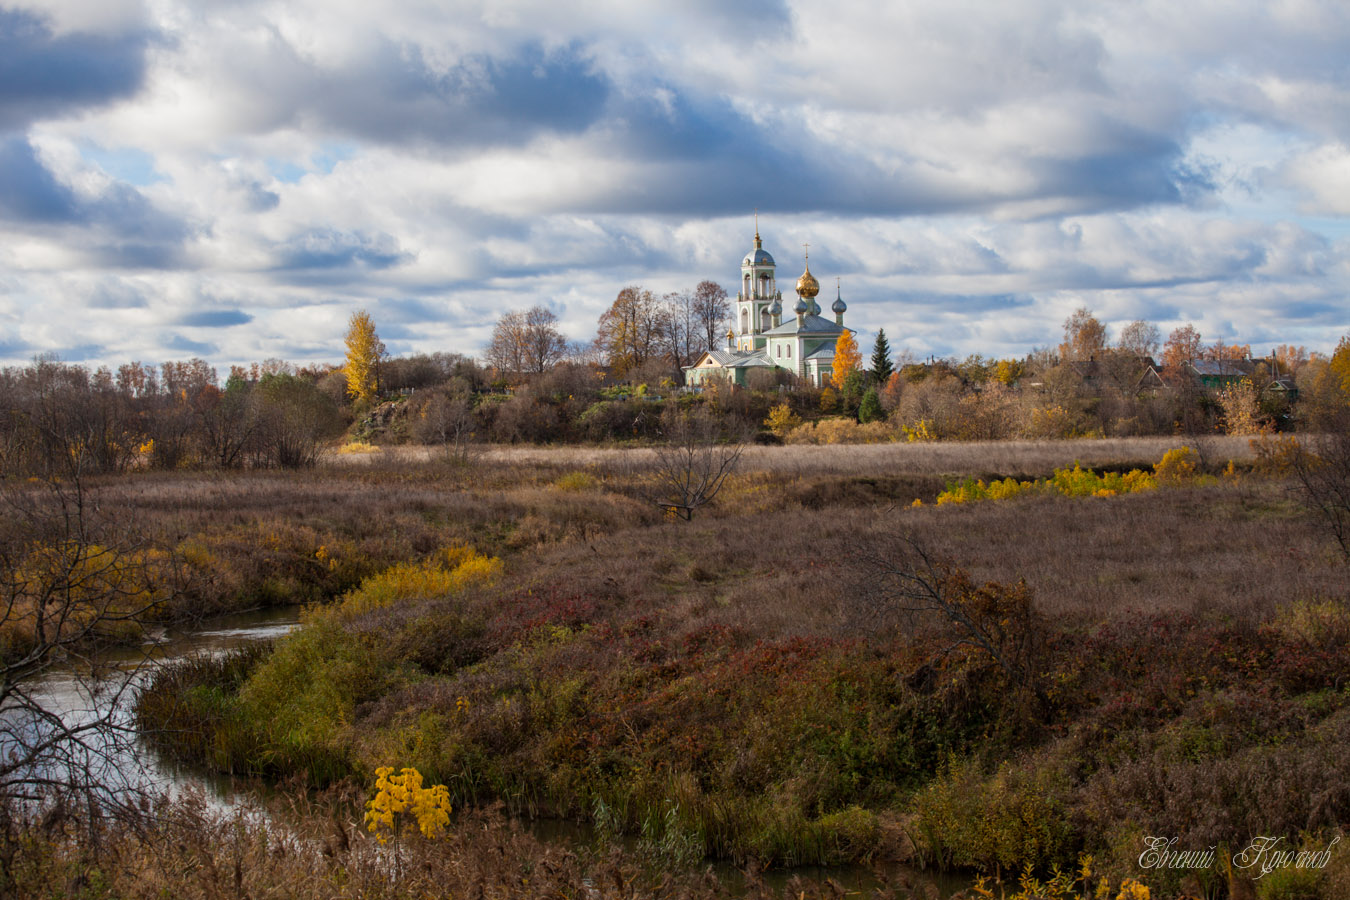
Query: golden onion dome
(807,286)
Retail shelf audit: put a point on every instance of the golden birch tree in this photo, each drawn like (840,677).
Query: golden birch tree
(847,358)
(364,350)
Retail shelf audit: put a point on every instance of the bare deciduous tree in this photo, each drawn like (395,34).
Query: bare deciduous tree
(1322,469)
(683,335)
(899,575)
(73,584)
(526,342)
(712,309)
(446,419)
(632,331)
(1140,338)
(695,461)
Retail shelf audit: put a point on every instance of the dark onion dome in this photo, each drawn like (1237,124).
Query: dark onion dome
(839,307)
(777,307)
(801,307)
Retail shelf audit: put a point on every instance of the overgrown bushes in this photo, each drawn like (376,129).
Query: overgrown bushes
(715,687)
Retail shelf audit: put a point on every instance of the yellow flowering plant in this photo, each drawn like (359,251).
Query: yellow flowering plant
(403,793)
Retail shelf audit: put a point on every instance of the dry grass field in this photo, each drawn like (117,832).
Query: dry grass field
(944,458)
(749,685)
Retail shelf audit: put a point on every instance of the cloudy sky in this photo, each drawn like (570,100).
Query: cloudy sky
(231,180)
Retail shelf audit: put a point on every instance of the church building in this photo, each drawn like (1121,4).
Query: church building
(761,339)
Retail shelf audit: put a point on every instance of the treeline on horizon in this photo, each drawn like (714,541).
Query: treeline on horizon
(624,387)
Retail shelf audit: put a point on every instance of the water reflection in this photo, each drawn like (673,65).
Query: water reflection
(74,725)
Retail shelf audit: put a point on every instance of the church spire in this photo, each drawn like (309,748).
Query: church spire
(759,245)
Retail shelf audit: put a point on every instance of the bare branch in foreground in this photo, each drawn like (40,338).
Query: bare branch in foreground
(696,460)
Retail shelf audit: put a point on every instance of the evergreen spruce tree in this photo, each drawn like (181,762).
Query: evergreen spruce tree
(881,359)
(869,410)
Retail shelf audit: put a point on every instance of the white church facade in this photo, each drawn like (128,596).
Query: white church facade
(761,339)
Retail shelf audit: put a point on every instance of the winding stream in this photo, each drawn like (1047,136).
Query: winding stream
(119,758)
(130,763)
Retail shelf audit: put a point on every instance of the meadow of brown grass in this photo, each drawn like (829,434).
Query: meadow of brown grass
(936,458)
(736,685)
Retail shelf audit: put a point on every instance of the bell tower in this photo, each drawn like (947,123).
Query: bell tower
(756,297)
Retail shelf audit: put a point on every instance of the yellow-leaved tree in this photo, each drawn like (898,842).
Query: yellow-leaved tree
(847,358)
(364,351)
(1340,364)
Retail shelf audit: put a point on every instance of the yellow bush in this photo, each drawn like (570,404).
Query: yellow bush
(782,420)
(1075,482)
(1275,456)
(358,447)
(576,481)
(971,490)
(1009,818)
(403,793)
(921,432)
(839,430)
(1177,466)
(1054,422)
(450,571)
(73,586)
(1321,623)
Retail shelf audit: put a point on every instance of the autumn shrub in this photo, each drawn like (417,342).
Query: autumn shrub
(921,431)
(622,419)
(1320,623)
(782,420)
(576,481)
(59,588)
(1077,482)
(1014,816)
(189,709)
(269,563)
(1322,476)
(1276,455)
(969,490)
(446,572)
(1177,466)
(840,430)
(1054,422)
(397,794)
(299,700)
